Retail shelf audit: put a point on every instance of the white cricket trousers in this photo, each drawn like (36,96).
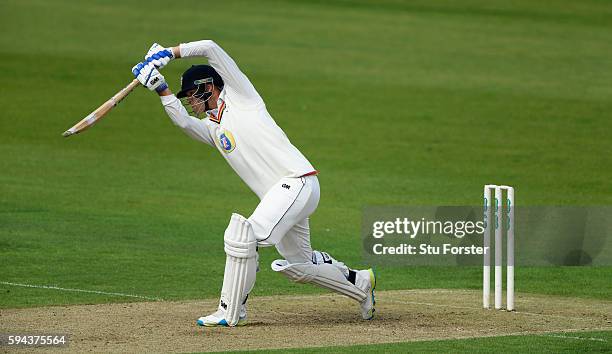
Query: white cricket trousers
(281,218)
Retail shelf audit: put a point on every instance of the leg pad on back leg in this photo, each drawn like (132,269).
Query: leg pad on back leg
(325,275)
(240,267)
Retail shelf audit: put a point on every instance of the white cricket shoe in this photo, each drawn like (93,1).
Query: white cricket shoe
(366,281)
(217,319)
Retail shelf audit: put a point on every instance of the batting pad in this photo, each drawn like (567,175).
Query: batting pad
(240,266)
(325,275)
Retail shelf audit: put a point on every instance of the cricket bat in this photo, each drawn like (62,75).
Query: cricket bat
(101,111)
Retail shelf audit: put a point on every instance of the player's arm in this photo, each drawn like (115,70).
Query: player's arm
(150,77)
(194,127)
(233,78)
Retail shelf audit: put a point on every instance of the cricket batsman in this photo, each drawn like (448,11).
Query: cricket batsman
(229,115)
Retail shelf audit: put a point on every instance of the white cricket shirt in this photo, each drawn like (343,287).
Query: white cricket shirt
(243,131)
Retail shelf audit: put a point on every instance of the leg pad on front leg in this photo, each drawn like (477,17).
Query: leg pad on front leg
(240,266)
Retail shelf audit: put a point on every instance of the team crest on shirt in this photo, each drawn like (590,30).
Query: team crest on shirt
(226,141)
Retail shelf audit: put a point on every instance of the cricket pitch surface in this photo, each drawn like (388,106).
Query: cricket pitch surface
(304,321)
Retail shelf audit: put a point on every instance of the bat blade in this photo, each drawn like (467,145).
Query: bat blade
(101,111)
(85,123)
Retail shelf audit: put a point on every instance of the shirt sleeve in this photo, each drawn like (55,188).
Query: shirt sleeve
(234,80)
(194,127)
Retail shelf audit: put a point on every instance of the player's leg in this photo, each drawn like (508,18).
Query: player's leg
(281,219)
(239,276)
(295,246)
(288,202)
(302,264)
(288,198)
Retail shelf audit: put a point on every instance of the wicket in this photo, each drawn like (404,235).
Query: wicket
(498,214)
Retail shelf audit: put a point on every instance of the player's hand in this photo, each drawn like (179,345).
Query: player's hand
(149,76)
(159,55)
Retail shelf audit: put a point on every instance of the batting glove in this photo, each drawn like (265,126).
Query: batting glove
(159,55)
(149,76)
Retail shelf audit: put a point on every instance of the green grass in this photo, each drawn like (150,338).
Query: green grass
(579,342)
(396,103)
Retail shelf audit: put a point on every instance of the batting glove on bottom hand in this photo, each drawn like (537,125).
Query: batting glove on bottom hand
(149,77)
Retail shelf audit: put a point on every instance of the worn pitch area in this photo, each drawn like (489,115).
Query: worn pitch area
(305,321)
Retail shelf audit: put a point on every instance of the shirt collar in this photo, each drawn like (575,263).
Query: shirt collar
(213,113)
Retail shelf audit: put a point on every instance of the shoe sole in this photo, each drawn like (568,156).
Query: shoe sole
(241,322)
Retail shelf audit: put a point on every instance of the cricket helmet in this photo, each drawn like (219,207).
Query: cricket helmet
(198,75)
